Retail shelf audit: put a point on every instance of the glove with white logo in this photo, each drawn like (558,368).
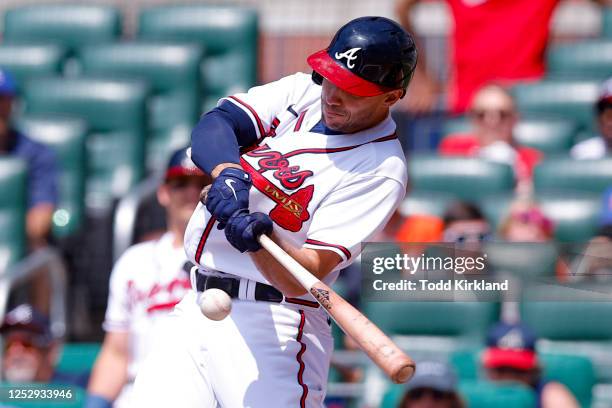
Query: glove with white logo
(228,194)
(243,229)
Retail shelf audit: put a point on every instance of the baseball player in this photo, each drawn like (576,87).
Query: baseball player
(314,162)
(146,283)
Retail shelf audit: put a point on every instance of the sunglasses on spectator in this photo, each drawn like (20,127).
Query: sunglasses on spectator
(481,114)
(25,342)
(436,395)
(533,217)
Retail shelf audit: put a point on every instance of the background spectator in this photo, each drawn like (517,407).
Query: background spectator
(464,223)
(493,117)
(526,223)
(511,356)
(599,146)
(30,351)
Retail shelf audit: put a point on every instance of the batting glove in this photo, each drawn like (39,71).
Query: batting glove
(243,229)
(228,194)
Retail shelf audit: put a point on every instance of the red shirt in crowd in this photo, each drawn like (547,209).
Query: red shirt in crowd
(496,40)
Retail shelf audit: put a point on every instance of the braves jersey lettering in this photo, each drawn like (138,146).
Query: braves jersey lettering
(290,176)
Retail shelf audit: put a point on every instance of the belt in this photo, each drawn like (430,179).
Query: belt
(246,289)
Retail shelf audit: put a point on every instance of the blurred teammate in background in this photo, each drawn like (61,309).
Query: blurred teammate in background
(147,282)
(42,168)
(511,356)
(493,117)
(599,146)
(433,386)
(30,351)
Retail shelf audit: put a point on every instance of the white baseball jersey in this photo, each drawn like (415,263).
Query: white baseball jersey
(322,191)
(146,283)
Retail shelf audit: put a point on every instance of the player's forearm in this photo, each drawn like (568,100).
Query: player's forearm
(109,374)
(278,276)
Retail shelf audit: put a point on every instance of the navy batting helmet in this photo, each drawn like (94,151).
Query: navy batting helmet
(368,56)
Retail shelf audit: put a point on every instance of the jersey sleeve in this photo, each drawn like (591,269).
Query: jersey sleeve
(354,214)
(118,314)
(263,104)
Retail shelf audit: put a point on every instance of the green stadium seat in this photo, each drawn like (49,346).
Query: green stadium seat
(425,203)
(78,357)
(496,207)
(566,98)
(229,35)
(13,198)
(606,22)
(465,177)
(582,175)
(522,260)
(26,61)
(66,136)
(484,394)
(71,25)
(575,213)
(115,111)
(172,71)
(469,321)
(548,135)
(585,59)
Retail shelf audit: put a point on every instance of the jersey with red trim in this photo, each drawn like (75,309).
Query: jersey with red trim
(323,191)
(146,283)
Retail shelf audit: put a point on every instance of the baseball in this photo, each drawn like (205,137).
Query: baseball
(215,304)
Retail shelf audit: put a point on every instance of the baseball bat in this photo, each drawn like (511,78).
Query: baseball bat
(381,350)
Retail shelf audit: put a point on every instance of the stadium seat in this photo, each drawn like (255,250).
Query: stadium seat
(469,319)
(115,111)
(566,98)
(229,35)
(13,196)
(71,25)
(574,213)
(606,22)
(581,175)
(466,178)
(484,394)
(66,136)
(78,357)
(26,61)
(172,71)
(522,260)
(425,203)
(585,59)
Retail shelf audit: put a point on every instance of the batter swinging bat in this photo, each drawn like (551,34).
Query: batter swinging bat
(386,354)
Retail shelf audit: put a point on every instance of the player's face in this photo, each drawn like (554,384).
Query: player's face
(180,196)
(348,113)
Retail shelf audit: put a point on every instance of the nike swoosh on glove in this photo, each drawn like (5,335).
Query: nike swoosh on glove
(243,229)
(228,193)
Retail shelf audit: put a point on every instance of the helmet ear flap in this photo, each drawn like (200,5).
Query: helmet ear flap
(317,78)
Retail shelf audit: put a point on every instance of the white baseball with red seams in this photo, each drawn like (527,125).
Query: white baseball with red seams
(322,191)
(215,304)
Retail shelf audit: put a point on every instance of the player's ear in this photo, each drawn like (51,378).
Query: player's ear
(392,97)
(163,195)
